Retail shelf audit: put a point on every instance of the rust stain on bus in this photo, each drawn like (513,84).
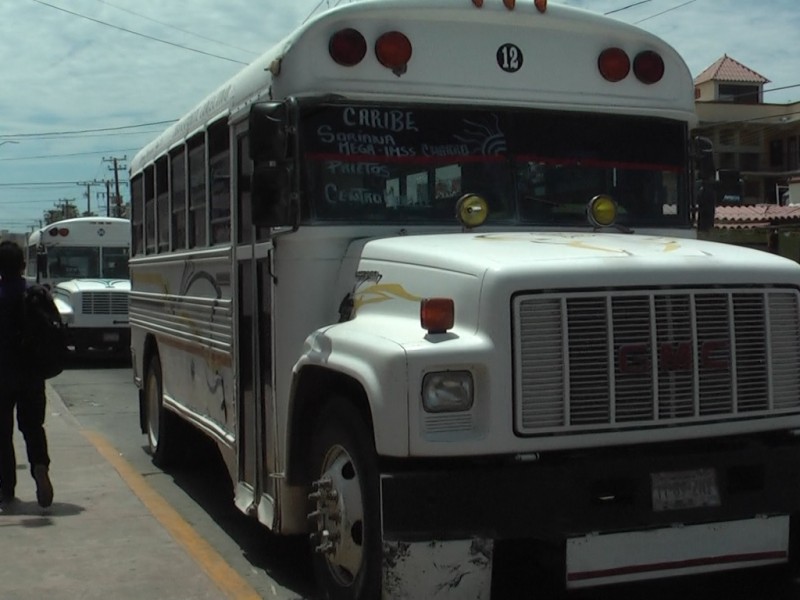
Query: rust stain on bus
(213,357)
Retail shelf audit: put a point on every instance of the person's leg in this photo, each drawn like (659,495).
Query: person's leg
(8,458)
(30,419)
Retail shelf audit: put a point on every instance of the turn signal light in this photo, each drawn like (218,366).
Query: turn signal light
(347,47)
(648,67)
(393,50)
(437,315)
(614,64)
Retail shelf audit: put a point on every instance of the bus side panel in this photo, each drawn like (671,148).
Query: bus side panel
(186,307)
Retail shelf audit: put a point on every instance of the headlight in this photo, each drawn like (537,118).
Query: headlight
(447,391)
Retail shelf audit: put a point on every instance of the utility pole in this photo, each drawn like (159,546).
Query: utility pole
(108,197)
(89,185)
(116,167)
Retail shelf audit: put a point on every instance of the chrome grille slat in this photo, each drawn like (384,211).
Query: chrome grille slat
(627,359)
(104,303)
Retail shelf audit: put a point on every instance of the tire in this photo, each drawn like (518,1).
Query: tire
(159,421)
(344,508)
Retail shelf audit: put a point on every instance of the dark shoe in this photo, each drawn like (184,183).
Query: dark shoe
(44,488)
(7,497)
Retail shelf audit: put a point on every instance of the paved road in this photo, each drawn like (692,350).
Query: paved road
(101,396)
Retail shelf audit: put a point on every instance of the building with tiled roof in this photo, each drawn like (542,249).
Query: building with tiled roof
(729,80)
(756,143)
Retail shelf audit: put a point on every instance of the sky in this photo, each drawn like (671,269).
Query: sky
(88,81)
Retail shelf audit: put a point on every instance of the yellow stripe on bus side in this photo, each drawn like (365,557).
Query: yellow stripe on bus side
(220,572)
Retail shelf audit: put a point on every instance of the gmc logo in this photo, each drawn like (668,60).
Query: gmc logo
(636,358)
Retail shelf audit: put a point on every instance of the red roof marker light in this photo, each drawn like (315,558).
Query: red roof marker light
(614,64)
(648,67)
(347,47)
(393,50)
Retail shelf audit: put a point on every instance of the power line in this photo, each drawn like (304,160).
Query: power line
(80,131)
(313,10)
(611,12)
(752,120)
(71,155)
(144,35)
(36,183)
(785,87)
(186,31)
(657,14)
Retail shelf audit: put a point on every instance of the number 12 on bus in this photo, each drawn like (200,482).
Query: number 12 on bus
(396,269)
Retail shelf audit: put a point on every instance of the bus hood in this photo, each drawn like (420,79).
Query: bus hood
(545,260)
(94,285)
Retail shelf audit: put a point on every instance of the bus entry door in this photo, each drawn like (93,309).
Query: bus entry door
(254,491)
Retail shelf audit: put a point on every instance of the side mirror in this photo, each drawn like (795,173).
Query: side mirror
(703,151)
(271,195)
(41,265)
(703,154)
(269,132)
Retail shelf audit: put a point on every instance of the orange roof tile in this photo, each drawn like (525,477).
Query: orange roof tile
(728,69)
(755,215)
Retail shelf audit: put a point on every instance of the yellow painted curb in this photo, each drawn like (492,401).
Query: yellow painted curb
(220,572)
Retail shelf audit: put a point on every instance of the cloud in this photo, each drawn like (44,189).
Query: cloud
(62,72)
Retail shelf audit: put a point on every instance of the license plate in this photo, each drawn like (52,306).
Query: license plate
(111,337)
(684,489)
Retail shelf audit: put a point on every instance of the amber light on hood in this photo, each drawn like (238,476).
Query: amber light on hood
(437,315)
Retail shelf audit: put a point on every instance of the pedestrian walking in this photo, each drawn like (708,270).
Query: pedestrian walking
(20,387)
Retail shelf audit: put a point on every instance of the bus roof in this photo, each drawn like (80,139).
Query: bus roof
(559,51)
(84,231)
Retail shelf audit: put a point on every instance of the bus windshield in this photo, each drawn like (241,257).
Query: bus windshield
(86,262)
(76,262)
(410,164)
(115,263)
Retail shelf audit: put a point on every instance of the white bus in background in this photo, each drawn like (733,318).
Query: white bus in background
(84,261)
(427,273)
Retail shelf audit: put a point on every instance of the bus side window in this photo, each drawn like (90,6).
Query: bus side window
(137,210)
(178,190)
(162,204)
(197,191)
(219,182)
(149,211)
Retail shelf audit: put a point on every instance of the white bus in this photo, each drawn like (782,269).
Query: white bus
(84,262)
(427,273)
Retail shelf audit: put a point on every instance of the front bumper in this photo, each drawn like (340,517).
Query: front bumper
(589,518)
(602,490)
(117,338)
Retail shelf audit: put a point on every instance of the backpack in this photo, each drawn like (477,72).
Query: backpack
(44,341)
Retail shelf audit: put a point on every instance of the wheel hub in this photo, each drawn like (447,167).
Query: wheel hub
(339,516)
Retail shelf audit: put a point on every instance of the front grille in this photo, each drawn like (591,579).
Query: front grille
(104,303)
(627,359)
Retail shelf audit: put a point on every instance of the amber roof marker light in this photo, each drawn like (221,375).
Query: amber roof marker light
(541,5)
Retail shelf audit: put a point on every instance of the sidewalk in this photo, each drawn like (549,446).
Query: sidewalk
(98,540)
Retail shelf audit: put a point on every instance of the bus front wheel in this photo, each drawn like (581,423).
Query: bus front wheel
(344,505)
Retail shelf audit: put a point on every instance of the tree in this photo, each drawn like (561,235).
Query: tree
(64,209)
